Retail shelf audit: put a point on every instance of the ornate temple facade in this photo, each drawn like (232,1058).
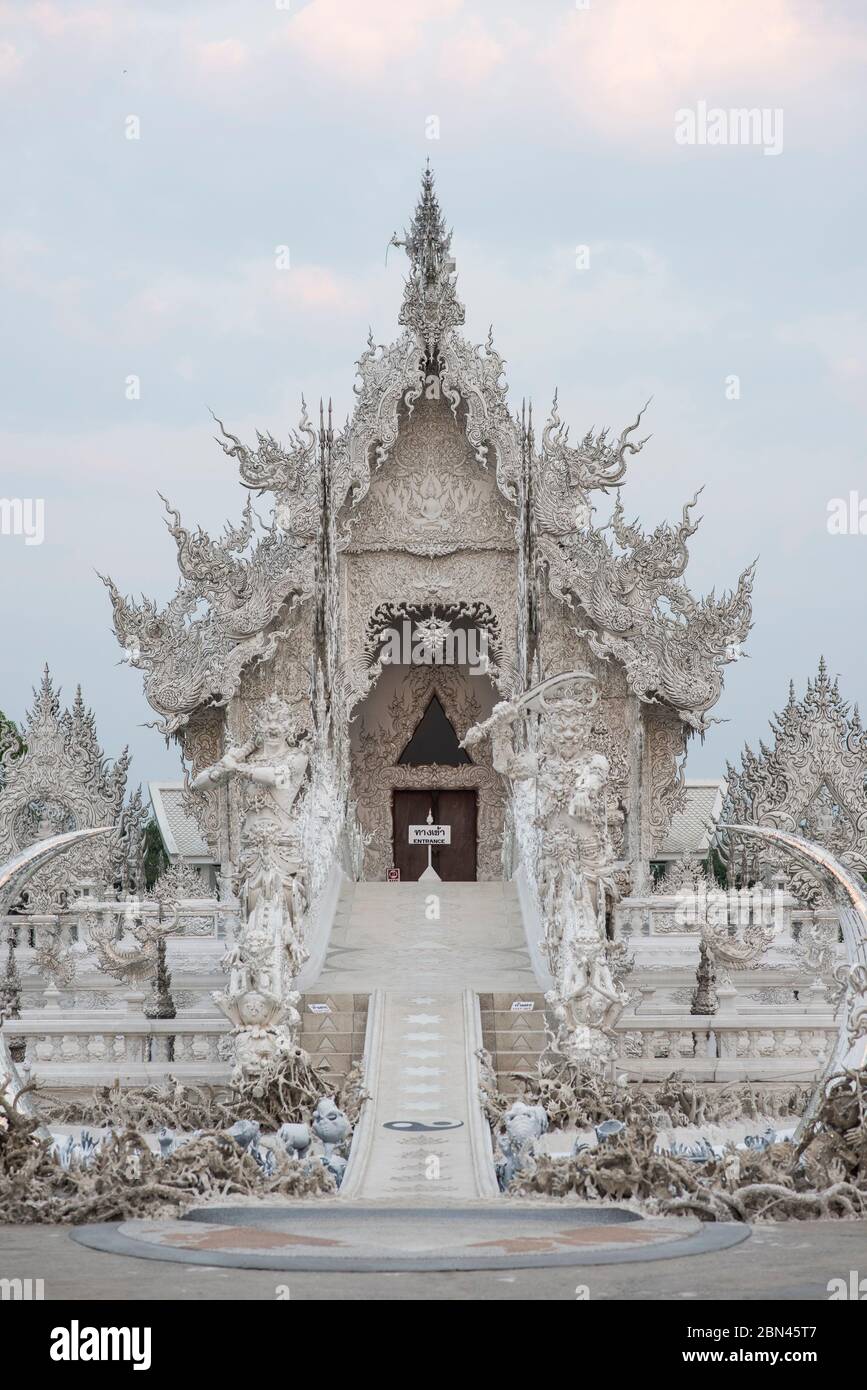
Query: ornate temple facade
(810,781)
(446,655)
(54,778)
(434,512)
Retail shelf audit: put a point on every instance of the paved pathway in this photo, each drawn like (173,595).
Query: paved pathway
(387,935)
(365,1237)
(424,951)
(794,1261)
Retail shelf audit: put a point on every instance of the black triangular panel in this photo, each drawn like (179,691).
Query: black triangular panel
(434,741)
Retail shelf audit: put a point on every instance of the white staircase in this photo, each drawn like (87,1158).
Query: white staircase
(449,936)
(424,953)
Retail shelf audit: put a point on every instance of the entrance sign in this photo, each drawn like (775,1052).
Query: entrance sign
(455,860)
(430,834)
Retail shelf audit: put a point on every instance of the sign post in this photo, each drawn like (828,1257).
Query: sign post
(430,835)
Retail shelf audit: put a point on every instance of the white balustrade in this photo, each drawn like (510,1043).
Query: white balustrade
(787,1047)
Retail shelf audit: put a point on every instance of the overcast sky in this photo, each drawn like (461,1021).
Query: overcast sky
(307,125)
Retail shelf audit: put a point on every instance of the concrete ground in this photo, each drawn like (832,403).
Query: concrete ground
(792,1261)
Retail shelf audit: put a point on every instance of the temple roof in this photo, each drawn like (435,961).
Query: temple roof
(624,588)
(180,833)
(691,828)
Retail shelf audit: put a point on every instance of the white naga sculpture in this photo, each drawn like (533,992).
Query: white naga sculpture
(574,873)
(268,953)
(14,875)
(849,1054)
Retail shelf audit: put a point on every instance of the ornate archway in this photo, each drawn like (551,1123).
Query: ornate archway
(383,726)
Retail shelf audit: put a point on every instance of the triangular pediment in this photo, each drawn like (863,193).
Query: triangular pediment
(431,496)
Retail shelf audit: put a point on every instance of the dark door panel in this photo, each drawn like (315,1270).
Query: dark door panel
(409,808)
(455,862)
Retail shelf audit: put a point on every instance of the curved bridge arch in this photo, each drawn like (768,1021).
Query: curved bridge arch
(850,1049)
(13,876)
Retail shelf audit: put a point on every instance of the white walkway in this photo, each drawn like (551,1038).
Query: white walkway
(387,935)
(424,953)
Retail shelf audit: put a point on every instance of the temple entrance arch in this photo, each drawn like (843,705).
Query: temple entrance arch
(385,723)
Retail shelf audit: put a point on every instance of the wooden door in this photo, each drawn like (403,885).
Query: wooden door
(455,862)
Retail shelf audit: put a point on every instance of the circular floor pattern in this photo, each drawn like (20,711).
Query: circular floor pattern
(359,1238)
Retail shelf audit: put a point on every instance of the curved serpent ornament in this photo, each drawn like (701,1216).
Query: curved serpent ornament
(13,876)
(850,1050)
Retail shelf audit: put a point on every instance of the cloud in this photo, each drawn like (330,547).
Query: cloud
(251,298)
(10,59)
(618,70)
(474,52)
(839,340)
(247,298)
(222,56)
(52,22)
(362,41)
(630,294)
(628,64)
(31,268)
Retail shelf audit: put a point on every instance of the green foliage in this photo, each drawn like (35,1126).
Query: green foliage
(155,857)
(716,866)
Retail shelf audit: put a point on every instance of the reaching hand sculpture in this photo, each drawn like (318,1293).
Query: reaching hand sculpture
(268,953)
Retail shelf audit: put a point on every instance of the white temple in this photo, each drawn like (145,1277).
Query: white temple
(435,717)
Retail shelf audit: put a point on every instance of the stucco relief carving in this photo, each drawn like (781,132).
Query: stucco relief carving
(288,676)
(376,773)
(562,647)
(435,499)
(432,497)
(573,872)
(811,782)
(63,783)
(203,745)
(665,745)
(194,650)
(270,771)
(672,646)
(609,735)
(373,579)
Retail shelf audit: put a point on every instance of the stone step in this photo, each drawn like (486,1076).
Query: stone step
(334,1040)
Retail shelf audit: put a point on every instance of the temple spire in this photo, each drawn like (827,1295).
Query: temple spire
(427,242)
(430,306)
